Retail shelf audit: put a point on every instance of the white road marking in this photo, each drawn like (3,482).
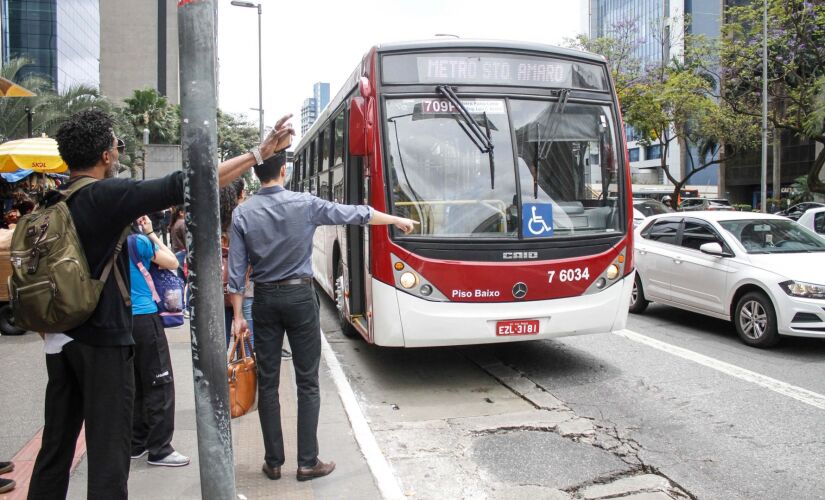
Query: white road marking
(803,395)
(379,466)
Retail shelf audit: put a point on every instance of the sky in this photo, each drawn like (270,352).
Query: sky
(308,41)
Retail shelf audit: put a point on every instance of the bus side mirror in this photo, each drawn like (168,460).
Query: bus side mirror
(361,129)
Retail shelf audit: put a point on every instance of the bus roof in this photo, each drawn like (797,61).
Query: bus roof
(471,43)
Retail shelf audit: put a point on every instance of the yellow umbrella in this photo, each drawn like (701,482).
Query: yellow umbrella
(10,89)
(38,154)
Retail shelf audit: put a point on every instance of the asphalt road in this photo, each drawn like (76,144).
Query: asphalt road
(555,419)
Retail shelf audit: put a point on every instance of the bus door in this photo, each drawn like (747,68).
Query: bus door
(356,244)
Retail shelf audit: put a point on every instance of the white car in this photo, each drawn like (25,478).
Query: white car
(763,272)
(814,219)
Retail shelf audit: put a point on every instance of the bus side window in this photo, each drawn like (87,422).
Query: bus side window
(337,178)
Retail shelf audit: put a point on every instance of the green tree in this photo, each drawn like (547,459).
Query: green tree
(236,135)
(14,123)
(672,101)
(148,109)
(796,69)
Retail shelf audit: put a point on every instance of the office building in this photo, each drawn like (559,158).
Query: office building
(309,113)
(139,48)
(61,39)
(656,25)
(312,106)
(320,92)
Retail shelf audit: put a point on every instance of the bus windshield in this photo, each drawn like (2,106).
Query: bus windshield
(552,187)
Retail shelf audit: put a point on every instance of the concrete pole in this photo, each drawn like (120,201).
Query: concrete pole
(260,80)
(198,37)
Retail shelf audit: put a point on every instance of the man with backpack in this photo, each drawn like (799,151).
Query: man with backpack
(154,415)
(90,366)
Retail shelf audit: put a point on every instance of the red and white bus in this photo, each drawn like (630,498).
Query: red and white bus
(506,154)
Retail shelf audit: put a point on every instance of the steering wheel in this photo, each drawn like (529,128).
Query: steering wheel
(781,242)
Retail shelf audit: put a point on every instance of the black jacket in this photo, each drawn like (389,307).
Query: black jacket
(101,211)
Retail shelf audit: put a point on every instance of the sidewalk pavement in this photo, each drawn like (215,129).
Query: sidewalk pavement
(22,369)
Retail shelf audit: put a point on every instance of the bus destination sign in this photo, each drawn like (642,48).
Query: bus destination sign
(496,70)
(482,68)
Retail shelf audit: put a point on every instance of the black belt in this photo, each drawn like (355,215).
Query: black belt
(292,281)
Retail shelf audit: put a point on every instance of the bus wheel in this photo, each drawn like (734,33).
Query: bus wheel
(340,303)
(755,320)
(7,326)
(638,303)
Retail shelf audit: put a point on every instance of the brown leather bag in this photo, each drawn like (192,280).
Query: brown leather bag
(242,375)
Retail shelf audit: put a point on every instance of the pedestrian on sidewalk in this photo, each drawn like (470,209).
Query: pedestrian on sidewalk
(90,367)
(6,485)
(249,294)
(272,232)
(153,423)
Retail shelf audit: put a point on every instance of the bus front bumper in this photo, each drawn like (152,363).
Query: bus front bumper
(402,320)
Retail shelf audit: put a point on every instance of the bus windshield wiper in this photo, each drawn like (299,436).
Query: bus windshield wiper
(543,149)
(470,126)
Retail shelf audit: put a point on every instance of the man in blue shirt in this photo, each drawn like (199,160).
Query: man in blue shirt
(153,423)
(272,231)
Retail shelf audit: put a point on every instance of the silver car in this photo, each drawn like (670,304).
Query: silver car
(713,204)
(763,272)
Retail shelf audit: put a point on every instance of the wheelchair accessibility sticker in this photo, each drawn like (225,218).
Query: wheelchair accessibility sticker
(537,219)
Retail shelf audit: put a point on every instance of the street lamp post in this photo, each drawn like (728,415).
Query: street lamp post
(145,145)
(763,194)
(239,3)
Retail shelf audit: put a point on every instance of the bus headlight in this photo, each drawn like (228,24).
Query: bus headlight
(408,280)
(612,271)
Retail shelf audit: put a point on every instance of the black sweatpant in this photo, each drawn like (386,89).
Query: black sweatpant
(95,384)
(154,417)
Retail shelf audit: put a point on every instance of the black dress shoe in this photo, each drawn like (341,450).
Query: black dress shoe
(271,472)
(320,469)
(6,467)
(6,485)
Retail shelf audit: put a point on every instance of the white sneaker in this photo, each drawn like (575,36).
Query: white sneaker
(139,454)
(173,459)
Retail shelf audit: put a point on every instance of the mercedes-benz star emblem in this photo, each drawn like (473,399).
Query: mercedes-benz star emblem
(519,290)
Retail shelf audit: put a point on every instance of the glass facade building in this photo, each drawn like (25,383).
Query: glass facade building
(320,91)
(62,39)
(648,16)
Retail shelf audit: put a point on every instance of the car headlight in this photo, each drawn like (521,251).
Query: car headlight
(801,289)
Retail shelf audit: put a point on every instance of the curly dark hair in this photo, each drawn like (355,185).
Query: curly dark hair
(229,200)
(84,137)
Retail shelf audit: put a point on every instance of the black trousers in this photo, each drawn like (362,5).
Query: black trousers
(154,416)
(290,309)
(95,384)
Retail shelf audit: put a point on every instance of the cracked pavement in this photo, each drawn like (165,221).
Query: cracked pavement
(591,417)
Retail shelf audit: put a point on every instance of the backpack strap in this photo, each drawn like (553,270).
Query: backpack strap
(76,185)
(134,256)
(121,283)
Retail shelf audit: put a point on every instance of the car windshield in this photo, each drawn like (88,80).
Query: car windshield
(773,236)
(651,207)
(720,202)
(565,160)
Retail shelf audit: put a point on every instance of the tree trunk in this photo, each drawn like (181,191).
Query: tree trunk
(816,184)
(721,186)
(777,166)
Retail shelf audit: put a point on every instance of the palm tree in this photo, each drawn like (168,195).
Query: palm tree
(13,124)
(53,109)
(148,109)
